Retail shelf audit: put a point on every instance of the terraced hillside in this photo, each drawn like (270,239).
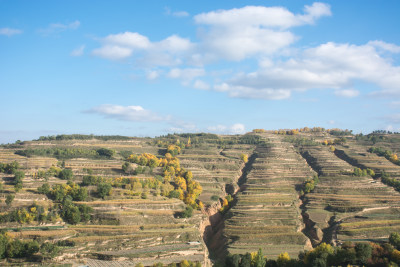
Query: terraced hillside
(128,227)
(357,155)
(217,169)
(348,207)
(144,218)
(267,213)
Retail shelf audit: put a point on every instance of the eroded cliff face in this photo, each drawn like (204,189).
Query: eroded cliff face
(211,228)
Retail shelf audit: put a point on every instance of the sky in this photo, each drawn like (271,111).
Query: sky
(148,68)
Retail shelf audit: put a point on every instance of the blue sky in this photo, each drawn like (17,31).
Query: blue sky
(149,68)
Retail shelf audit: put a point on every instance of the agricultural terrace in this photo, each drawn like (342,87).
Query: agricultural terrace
(98,208)
(267,213)
(346,204)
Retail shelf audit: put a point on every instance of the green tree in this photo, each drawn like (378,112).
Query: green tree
(187,213)
(31,247)
(363,252)
(15,249)
(18,187)
(18,176)
(48,250)
(3,245)
(233,260)
(66,174)
(259,260)
(174,194)
(105,152)
(44,189)
(394,240)
(127,168)
(246,260)
(104,189)
(9,199)
(10,168)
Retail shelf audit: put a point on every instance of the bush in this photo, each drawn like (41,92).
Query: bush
(66,174)
(394,240)
(214,198)
(48,250)
(174,194)
(44,189)
(187,213)
(105,152)
(104,189)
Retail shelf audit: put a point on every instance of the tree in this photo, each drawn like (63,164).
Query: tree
(48,250)
(66,174)
(394,240)
(187,213)
(18,176)
(70,212)
(9,199)
(363,252)
(246,260)
(259,260)
(104,189)
(3,245)
(44,189)
(184,263)
(174,194)
(15,249)
(283,259)
(10,168)
(244,158)
(104,152)
(233,260)
(126,167)
(18,187)
(31,248)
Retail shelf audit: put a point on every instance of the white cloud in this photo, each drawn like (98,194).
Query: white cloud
(327,66)
(262,34)
(233,34)
(348,93)
(331,122)
(9,31)
(166,52)
(385,46)
(240,33)
(174,44)
(59,27)
(237,91)
(77,52)
(186,75)
(112,52)
(236,128)
(132,40)
(199,84)
(127,113)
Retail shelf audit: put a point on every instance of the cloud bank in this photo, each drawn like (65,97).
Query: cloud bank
(262,36)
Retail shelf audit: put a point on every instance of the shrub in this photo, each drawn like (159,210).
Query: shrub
(66,174)
(44,189)
(104,189)
(187,213)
